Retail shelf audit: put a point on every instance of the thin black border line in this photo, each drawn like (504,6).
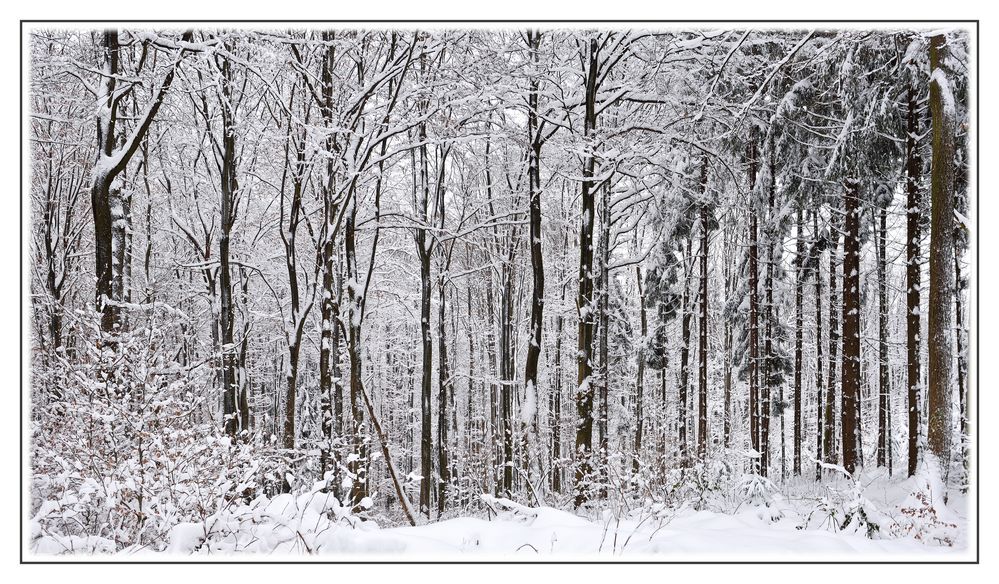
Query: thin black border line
(512,21)
(977,448)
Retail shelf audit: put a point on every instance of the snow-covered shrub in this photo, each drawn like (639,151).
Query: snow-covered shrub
(760,492)
(861,516)
(847,510)
(299,522)
(128,450)
(756,490)
(704,486)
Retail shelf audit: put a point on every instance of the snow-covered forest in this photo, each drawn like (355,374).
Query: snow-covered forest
(516,292)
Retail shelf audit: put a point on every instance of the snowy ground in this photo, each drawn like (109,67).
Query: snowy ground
(554,533)
(801,521)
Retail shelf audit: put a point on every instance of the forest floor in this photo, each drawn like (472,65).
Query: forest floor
(874,518)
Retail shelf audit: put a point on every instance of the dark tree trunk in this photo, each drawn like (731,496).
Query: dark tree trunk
(884,381)
(424,251)
(585,300)
(507,373)
(754,314)
(244,349)
(640,377)
(328,354)
(556,409)
(357,466)
(603,332)
(288,235)
(444,387)
(426,427)
(913,167)
(537,258)
(851,327)
(939,390)
(683,409)
(799,288)
(226,310)
(556,391)
(702,380)
(769,317)
(474,431)
(766,369)
(443,374)
(331,398)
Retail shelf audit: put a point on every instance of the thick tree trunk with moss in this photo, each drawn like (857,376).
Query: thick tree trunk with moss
(940,321)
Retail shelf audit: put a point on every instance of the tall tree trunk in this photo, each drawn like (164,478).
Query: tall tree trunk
(556,409)
(507,373)
(913,168)
(494,428)
(603,331)
(683,410)
(537,258)
(328,350)
(474,431)
(767,363)
(884,381)
(799,286)
(829,422)
(244,349)
(226,309)
(585,301)
(444,387)
(769,318)
(357,466)
(820,455)
(556,391)
(426,427)
(640,376)
(424,251)
(851,326)
(939,390)
(702,381)
(331,398)
(754,314)
(298,313)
